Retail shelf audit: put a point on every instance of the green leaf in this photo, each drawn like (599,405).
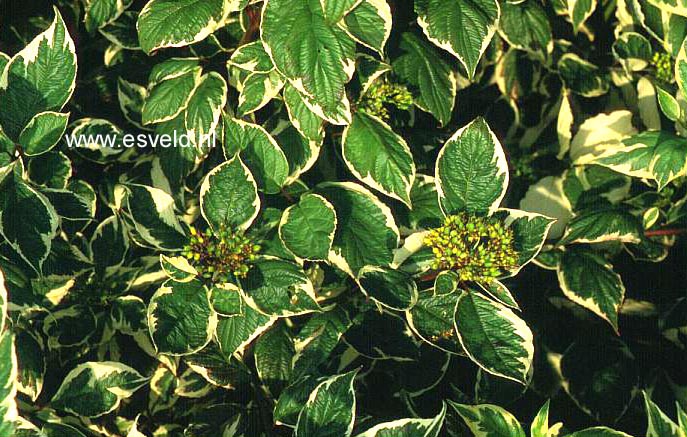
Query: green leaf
(178,268)
(153,215)
(300,152)
(656,155)
(226,299)
(582,77)
(471,170)
(499,292)
(28,221)
(122,31)
(366,233)
(96,388)
(378,157)
(446,282)
(588,279)
(431,77)
(515,76)
(579,11)
(432,320)
(39,78)
(109,245)
(682,419)
(369,23)
(426,212)
(274,353)
(192,385)
(259,151)
(529,232)
(85,192)
(334,10)
(603,224)
(205,107)
(279,288)
(70,326)
(98,13)
(170,69)
(222,370)
(229,196)
(96,140)
(659,424)
(69,205)
(489,420)
(235,333)
(494,337)
(425,374)
(317,57)
(669,104)
(678,7)
(464,28)
(317,340)
(599,431)
(4,301)
(391,288)
(169,97)
(307,228)
(52,170)
(24,428)
(368,69)
(330,410)
(408,427)
(303,119)
(257,90)
(128,315)
(178,23)
(564,124)
(525,26)
(174,163)
(180,317)
(593,186)
(8,385)
(633,50)
(55,429)
(540,425)
(681,69)
(292,399)
(43,132)
(251,57)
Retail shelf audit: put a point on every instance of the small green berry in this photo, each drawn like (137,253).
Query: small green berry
(662,62)
(221,254)
(479,249)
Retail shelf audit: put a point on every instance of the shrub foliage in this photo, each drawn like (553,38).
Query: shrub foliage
(343,218)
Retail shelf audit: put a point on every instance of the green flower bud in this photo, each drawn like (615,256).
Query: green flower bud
(480,248)
(382,94)
(662,62)
(221,254)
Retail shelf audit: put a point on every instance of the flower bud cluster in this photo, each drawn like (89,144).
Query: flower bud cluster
(222,254)
(664,66)
(445,335)
(382,94)
(479,249)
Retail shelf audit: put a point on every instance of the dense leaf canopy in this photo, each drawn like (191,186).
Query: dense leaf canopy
(343,218)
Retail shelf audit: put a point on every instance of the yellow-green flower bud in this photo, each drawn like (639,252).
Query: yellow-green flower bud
(222,254)
(383,94)
(662,62)
(480,248)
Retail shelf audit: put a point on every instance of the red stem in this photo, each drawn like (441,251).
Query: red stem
(664,232)
(429,276)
